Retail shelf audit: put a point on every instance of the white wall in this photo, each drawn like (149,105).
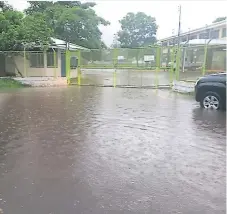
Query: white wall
(25,68)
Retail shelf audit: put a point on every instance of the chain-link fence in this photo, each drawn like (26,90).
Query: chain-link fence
(148,67)
(197,61)
(125,67)
(141,67)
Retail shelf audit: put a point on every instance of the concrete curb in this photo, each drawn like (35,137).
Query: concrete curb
(183,86)
(42,81)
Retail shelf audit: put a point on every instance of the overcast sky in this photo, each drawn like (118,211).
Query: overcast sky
(195,14)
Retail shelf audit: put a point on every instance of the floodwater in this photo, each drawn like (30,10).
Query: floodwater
(126,77)
(110,151)
(139,78)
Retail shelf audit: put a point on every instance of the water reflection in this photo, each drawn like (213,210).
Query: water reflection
(209,120)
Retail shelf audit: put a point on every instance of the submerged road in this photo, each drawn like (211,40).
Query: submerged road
(110,151)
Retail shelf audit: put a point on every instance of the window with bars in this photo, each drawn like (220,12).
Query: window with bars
(36,60)
(51,62)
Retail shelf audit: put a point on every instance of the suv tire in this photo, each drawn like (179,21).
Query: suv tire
(211,100)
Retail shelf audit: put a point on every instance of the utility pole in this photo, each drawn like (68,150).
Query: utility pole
(177,59)
(189,31)
(179,26)
(173,35)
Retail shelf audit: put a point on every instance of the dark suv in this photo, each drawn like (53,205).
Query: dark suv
(210,91)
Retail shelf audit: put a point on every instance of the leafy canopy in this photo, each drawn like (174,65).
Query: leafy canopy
(73,22)
(16,30)
(137,30)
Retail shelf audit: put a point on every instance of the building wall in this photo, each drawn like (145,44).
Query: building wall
(9,66)
(2,65)
(24,67)
(191,35)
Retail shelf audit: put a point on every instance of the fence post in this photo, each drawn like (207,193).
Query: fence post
(55,64)
(157,66)
(114,64)
(25,68)
(184,57)
(141,52)
(78,68)
(171,65)
(205,59)
(178,63)
(67,64)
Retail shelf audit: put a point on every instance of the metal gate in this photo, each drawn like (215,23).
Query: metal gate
(144,67)
(138,68)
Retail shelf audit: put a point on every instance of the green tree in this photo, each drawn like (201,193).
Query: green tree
(219,19)
(5,6)
(137,30)
(17,31)
(73,22)
(36,30)
(116,43)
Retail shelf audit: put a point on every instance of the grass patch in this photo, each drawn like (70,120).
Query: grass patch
(11,83)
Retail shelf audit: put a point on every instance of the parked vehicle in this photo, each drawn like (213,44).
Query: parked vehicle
(210,91)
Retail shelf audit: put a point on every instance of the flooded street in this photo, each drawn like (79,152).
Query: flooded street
(110,151)
(139,78)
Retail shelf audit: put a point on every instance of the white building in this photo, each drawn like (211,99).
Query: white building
(40,63)
(212,31)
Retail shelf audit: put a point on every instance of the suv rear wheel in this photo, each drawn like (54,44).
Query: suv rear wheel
(211,100)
